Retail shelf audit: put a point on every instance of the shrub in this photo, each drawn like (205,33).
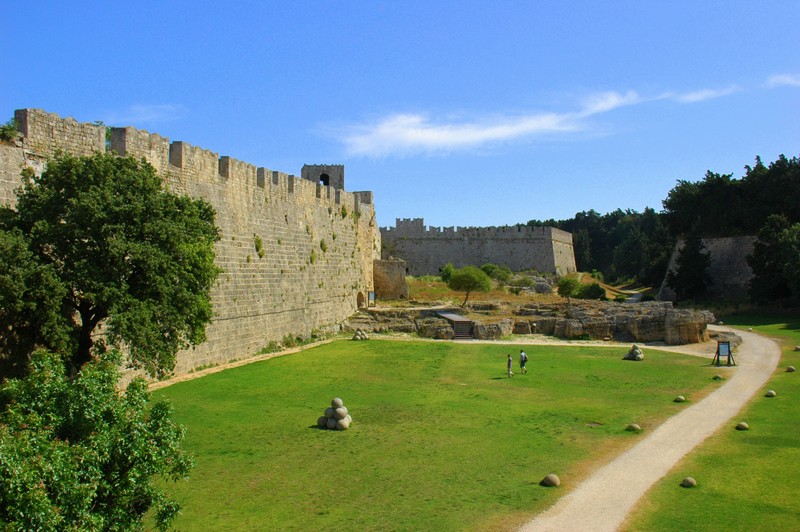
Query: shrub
(259,244)
(9,131)
(591,291)
(447,272)
(499,273)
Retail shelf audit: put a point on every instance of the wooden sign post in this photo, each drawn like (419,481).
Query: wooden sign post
(723,350)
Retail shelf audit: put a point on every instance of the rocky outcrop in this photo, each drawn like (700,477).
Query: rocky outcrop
(384,321)
(492,331)
(438,328)
(654,321)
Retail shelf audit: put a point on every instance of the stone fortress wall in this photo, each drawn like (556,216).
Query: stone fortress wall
(520,247)
(317,242)
(730,274)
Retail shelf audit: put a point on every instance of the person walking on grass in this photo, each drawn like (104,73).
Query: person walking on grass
(523,359)
(510,365)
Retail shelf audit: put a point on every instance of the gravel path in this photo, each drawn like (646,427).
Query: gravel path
(603,500)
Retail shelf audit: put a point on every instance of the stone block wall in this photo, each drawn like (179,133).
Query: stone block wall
(545,249)
(390,279)
(728,269)
(296,257)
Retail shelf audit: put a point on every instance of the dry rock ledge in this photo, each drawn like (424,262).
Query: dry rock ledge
(602,501)
(654,321)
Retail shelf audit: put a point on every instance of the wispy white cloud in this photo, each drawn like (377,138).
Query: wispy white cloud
(144,115)
(413,133)
(608,101)
(783,80)
(703,94)
(409,133)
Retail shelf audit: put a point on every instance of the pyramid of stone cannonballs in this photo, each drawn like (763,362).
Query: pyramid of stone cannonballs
(360,335)
(635,353)
(336,416)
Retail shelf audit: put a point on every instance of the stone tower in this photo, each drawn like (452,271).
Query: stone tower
(327,175)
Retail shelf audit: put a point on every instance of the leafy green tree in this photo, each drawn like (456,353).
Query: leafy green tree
(447,272)
(30,304)
(730,207)
(568,287)
(691,279)
(775,261)
(469,279)
(621,244)
(77,455)
(114,247)
(792,266)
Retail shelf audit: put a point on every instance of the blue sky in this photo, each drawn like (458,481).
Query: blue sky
(463,113)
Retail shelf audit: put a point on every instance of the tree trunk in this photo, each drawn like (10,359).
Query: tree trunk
(89,320)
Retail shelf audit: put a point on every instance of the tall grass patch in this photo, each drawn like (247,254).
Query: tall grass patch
(441,437)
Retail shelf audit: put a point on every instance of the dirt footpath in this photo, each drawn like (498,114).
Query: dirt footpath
(603,500)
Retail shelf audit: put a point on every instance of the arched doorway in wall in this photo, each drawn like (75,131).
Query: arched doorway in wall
(324,180)
(361,300)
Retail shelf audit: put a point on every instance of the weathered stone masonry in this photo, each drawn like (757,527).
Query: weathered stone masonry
(520,247)
(297,255)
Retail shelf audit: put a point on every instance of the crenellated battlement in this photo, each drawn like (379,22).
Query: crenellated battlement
(46,133)
(415,228)
(520,247)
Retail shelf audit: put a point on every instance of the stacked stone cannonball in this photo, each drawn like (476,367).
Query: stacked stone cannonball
(635,353)
(336,416)
(360,335)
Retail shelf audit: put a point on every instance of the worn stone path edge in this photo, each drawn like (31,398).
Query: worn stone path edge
(604,499)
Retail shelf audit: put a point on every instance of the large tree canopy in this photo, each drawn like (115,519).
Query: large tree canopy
(75,454)
(723,206)
(691,279)
(775,261)
(98,239)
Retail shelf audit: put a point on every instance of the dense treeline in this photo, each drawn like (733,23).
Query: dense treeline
(622,245)
(629,245)
(722,206)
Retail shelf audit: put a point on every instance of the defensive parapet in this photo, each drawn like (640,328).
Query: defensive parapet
(297,254)
(520,247)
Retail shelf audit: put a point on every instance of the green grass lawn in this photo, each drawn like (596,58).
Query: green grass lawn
(441,438)
(747,480)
